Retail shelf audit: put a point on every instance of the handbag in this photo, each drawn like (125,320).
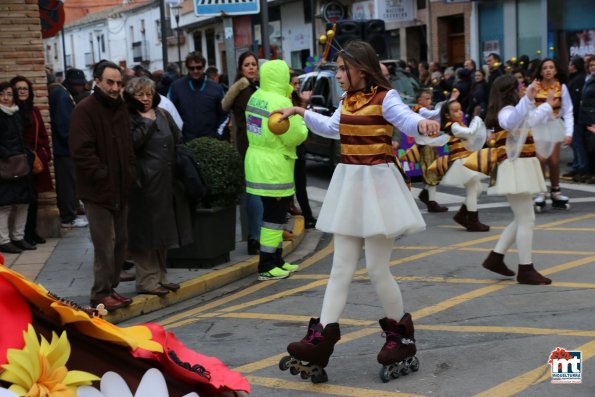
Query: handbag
(37,163)
(13,167)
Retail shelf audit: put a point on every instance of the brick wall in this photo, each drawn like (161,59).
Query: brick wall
(21,52)
(441,9)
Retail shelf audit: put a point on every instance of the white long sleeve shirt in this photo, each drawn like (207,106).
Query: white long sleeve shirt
(393,110)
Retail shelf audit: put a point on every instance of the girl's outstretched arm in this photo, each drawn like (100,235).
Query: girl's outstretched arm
(319,124)
(398,114)
(467,132)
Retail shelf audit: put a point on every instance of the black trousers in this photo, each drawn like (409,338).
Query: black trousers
(299,176)
(65,188)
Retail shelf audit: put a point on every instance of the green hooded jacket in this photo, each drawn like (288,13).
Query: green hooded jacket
(270,158)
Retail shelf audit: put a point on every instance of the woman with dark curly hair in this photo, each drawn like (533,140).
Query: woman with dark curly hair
(36,139)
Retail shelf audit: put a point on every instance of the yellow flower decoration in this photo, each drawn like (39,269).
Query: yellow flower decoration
(39,369)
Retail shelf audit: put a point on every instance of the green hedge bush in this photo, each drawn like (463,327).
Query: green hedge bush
(223,169)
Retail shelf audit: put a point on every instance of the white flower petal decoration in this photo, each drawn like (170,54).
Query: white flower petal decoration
(113,385)
(88,391)
(152,384)
(7,393)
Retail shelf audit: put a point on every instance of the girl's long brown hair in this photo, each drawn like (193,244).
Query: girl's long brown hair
(361,55)
(504,92)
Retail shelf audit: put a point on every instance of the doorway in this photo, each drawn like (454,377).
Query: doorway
(451,36)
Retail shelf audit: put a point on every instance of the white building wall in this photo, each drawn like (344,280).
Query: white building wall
(295,34)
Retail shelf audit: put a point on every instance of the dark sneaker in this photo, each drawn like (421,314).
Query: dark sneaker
(24,245)
(10,248)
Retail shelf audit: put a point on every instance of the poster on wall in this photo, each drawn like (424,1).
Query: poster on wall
(581,42)
(490,46)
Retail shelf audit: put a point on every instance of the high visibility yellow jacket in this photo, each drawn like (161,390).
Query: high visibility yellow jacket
(270,158)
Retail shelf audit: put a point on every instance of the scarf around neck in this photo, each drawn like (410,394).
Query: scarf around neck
(9,110)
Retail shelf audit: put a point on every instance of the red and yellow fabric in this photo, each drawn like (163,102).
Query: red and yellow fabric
(541,96)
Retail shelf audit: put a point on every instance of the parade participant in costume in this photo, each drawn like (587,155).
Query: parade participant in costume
(428,152)
(270,163)
(559,130)
(367,203)
(518,174)
(455,173)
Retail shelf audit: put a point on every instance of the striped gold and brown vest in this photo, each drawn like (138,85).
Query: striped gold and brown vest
(500,145)
(541,96)
(366,137)
(456,148)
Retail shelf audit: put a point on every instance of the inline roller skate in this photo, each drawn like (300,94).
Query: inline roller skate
(559,201)
(310,356)
(397,356)
(539,202)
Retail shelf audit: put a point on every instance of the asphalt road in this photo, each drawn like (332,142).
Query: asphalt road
(478,334)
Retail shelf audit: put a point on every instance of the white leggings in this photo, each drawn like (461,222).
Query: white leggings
(347,253)
(473,188)
(520,229)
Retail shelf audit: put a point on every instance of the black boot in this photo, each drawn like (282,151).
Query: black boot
(318,344)
(528,275)
(495,263)
(473,223)
(461,216)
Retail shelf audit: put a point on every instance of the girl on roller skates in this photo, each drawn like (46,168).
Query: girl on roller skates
(518,174)
(552,79)
(457,175)
(367,202)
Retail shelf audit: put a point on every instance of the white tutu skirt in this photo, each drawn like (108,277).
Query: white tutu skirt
(364,201)
(522,175)
(458,175)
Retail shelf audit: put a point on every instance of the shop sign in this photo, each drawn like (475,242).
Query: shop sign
(396,10)
(333,11)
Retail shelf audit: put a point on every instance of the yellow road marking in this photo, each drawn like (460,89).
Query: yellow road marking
(426,327)
(480,249)
(247,291)
(569,265)
(457,300)
(533,377)
(324,388)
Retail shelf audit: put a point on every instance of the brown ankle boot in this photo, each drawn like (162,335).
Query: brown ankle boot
(435,207)
(424,196)
(528,275)
(495,263)
(461,216)
(473,223)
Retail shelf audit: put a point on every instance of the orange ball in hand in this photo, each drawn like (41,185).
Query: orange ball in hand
(277,127)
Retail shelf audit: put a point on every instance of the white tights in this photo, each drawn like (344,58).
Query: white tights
(431,192)
(520,229)
(347,253)
(473,188)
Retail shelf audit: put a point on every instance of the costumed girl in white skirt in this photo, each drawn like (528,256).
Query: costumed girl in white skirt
(518,174)
(553,131)
(463,141)
(368,202)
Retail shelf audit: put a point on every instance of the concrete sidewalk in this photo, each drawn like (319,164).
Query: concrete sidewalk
(64,266)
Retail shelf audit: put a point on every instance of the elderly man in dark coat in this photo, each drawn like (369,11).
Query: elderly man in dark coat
(101,148)
(158,218)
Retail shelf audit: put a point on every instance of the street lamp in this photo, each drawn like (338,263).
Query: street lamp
(175,6)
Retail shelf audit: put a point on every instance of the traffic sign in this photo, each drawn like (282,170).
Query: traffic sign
(229,7)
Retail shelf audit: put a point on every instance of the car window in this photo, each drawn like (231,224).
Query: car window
(308,83)
(322,88)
